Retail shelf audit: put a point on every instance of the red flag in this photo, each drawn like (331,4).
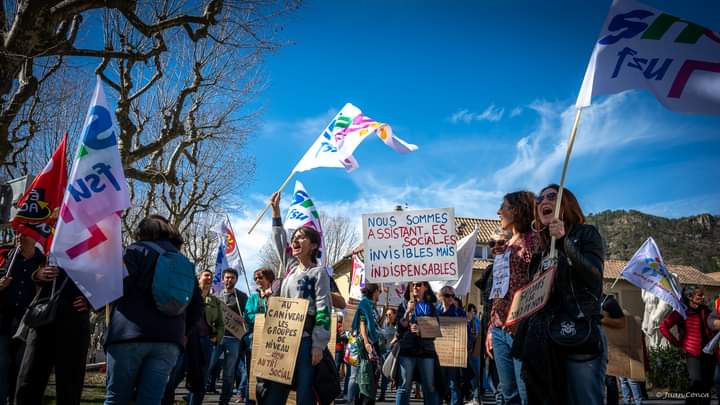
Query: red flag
(37,208)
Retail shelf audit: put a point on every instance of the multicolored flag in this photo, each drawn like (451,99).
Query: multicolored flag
(646,270)
(465,255)
(641,47)
(37,208)
(88,240)
(228,255)
(302,212)
(336,145)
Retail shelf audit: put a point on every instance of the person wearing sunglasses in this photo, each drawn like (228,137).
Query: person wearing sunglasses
(453,375)
(516,215)
(555,373)
(416,354)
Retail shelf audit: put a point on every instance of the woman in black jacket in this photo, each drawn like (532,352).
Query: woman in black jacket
(575,373)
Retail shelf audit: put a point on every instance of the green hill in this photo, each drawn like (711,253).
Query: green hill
(693,241)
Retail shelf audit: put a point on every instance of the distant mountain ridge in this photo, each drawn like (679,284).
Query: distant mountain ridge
(693,240)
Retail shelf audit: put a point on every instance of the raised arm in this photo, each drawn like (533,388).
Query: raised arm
(279,235)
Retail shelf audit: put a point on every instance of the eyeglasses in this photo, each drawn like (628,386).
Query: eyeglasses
(448,295)
(551,196)
(258,278)
(499,243)
(418,285)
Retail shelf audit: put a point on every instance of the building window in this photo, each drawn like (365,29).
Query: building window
(479,252)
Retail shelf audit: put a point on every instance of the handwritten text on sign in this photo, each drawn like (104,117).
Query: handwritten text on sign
(531,298)
(234,322)
(451,347)
(410,245)
(282,333)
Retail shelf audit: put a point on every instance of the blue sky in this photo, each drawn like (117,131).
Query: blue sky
(486,89)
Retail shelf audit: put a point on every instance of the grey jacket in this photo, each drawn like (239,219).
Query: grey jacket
(311,284)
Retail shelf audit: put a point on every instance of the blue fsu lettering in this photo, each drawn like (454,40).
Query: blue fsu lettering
(83,188)
(627,27)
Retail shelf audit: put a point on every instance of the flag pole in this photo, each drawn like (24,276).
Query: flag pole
(237,249)
(568,152)
(262,213)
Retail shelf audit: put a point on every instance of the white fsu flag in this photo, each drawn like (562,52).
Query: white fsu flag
(337,143)
(324,151)
(88,241)
(641,47)
(647,271)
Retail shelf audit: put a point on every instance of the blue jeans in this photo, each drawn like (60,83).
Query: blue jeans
(241,374)
(426,367)
(353,390)
(512,385)
(196,397)
(230,346)
(585,376)
(477,379)
(304,377)
(453,375)
(141,366)
(630,391)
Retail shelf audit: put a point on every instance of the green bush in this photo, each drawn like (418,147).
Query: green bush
(668,369)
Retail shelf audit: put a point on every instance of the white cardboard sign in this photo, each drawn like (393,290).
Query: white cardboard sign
(417,245)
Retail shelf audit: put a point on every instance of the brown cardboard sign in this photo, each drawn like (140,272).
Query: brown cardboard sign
(333,333)
(625,350)
(531,298)
(281,339)
(428,327)
(234,322)
(451,347)
(258,340)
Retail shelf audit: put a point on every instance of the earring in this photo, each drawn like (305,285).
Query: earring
(533,226)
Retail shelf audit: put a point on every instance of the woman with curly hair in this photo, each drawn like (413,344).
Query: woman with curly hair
(516,214)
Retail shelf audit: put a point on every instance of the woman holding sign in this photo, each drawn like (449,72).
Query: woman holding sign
(510,273)
(302,276)
(562,367)
(417,349)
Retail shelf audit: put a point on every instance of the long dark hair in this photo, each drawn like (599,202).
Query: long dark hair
(429,294)
(522,203)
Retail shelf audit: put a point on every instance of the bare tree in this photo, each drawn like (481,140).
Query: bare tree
(184,42)
(339,234)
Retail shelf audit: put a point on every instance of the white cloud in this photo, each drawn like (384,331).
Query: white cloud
(515,112)
(611,124)
(491,114)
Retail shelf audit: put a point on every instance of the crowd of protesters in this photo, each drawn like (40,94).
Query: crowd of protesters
(150,353)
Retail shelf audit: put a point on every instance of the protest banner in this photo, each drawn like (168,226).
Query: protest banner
(417,245)
(428,327)
(531,298)
(258,340)
(234,322)
(451,347)
(281,339)
(625,350)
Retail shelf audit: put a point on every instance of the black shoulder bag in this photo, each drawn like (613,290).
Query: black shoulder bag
(42,311)
(576,334)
